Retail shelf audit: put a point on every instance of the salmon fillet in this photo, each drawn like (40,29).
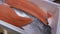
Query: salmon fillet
(8,15)
(29,8)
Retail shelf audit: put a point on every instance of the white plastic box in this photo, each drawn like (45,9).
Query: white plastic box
(46,5)
(53,8)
